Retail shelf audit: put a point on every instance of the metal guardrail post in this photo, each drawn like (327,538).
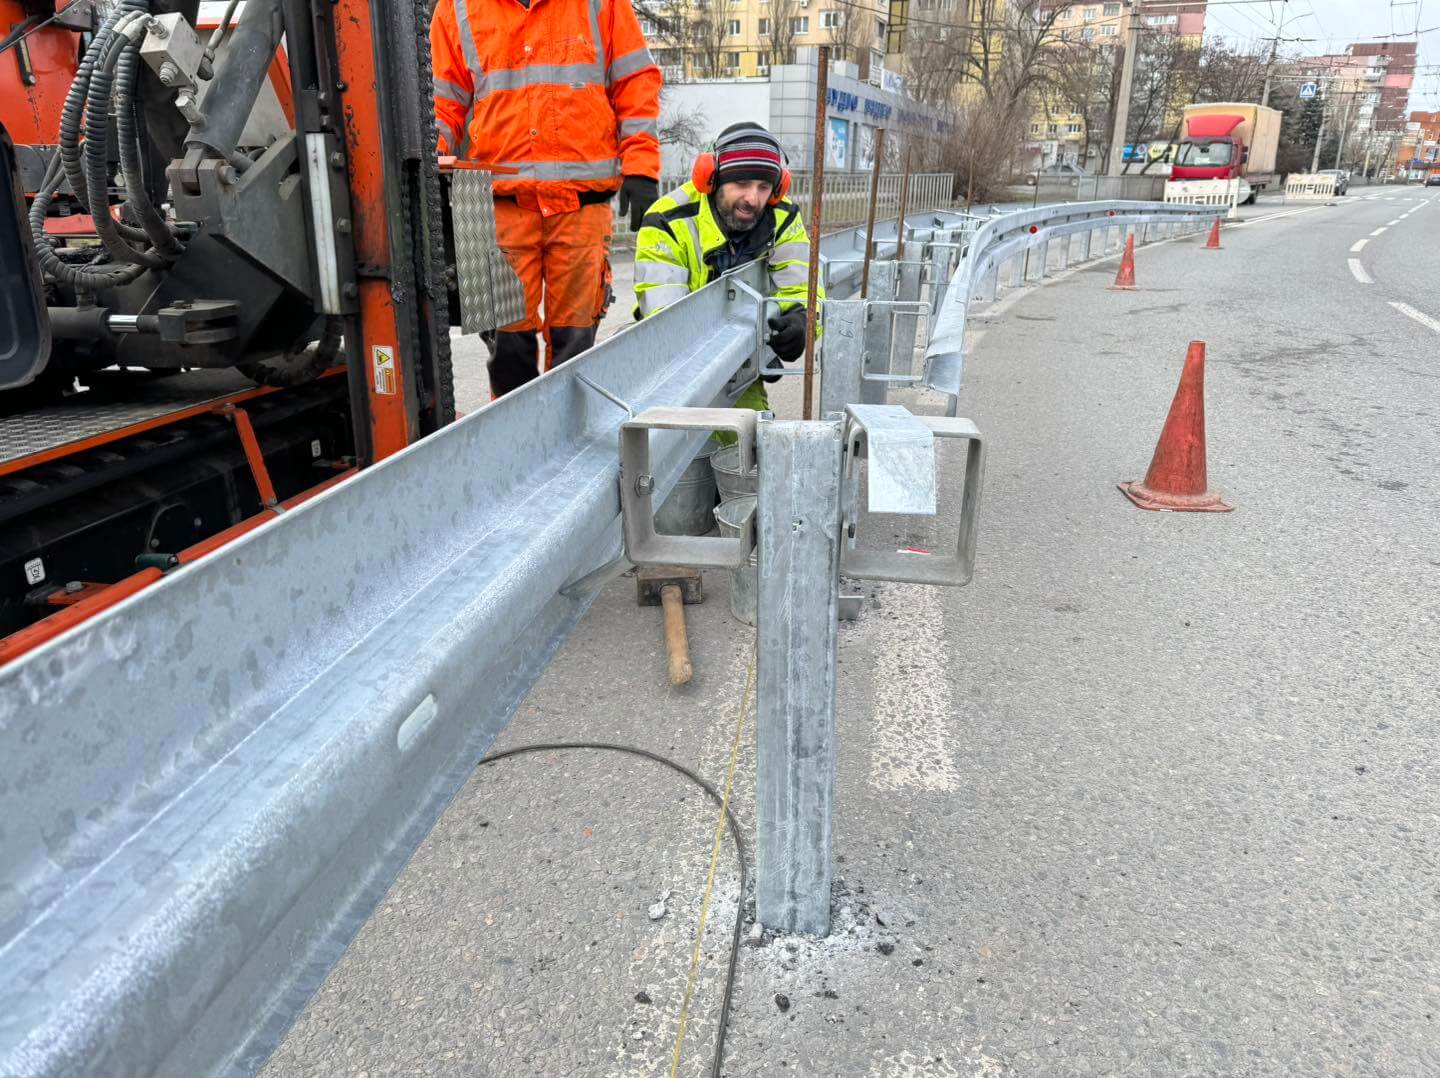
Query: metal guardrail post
(879,332)
(907,324)
(798,535)
(842,355)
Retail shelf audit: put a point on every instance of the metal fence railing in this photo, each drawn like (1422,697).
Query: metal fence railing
(1102,189)
(846,197)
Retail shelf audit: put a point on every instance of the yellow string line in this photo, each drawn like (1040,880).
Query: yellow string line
(714,862)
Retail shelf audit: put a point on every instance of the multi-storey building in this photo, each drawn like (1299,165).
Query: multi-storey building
(1057,131)
(693,39)
(1369,80)
(1419,147)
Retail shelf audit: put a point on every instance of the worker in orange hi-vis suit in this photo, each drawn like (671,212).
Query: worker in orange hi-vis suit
(565,94)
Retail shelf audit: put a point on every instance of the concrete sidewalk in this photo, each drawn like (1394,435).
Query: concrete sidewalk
(1154,795)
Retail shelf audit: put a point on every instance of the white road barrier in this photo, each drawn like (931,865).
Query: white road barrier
(1308,187)
(1228,193)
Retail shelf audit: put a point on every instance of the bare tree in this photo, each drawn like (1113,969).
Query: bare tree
(847,37)
(1086,83)
(667,26)
(710,39)
(782,30)
(986,73)
(683,127)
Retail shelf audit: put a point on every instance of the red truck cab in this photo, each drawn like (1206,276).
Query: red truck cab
(1212,150)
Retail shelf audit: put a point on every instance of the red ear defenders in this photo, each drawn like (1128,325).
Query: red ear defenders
(702,175)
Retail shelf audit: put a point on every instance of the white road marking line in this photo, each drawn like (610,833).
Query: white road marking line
(1388,224)
(1379,230)
(1419,316)
(1273,216)
(1359,246)
(1359,272)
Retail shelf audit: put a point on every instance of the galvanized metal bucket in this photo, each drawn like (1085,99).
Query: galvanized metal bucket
(728,478)
(688,509)
(733,517)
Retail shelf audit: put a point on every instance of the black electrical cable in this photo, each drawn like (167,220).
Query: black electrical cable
(731,825)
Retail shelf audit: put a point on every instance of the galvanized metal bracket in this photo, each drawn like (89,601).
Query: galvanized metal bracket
(643,545)
(900,455)
(737,291)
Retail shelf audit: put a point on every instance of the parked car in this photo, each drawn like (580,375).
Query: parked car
(1433,180)
(1051,173)
(1342,178)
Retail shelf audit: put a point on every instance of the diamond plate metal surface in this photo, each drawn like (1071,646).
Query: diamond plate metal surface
(490,293)
(111,405)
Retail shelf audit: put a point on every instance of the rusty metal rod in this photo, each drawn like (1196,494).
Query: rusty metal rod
(817,184)
(875,167)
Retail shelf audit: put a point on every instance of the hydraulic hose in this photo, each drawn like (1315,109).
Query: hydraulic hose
(162,238)
(82,276)
(97,165)
(72,117)
(250,48)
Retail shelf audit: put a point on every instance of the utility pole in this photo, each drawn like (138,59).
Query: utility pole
(1274,49)
(1320,136)
(1344,130)
(1122,105)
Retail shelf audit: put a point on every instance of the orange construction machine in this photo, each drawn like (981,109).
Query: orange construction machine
(228,274)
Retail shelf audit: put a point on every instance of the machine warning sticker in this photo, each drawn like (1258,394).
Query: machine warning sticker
(34,571)
(384,357)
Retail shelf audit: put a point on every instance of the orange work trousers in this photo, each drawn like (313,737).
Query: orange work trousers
(562,261)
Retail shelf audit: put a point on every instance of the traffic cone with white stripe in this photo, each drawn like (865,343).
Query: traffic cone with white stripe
(1177,480)
(1213,243)
(1125,279)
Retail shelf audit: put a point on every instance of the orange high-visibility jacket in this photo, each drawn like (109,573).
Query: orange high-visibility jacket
(564,92)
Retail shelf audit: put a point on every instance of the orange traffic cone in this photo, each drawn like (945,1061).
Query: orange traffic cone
(1176,481)
(1125,279)
(1213,243)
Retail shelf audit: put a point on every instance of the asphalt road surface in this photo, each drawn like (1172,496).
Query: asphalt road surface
(1156,794)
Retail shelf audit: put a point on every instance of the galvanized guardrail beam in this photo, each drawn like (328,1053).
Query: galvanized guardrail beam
(1008,238)
(205,790)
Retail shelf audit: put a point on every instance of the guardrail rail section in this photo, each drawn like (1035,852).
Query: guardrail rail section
(205,789)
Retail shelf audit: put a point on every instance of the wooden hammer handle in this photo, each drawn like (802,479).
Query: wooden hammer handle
(677,644)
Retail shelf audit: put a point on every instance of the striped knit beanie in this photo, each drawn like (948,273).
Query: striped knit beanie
(746,151)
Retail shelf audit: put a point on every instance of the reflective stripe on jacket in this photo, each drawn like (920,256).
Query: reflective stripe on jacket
(678,244)
(564,92)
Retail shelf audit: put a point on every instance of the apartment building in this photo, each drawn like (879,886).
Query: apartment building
(1057,133)
(1419,147)
(694,39)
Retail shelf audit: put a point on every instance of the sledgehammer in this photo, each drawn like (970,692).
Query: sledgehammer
(671,589)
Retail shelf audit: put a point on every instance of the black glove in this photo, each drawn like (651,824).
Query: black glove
(788,336)
(638,194)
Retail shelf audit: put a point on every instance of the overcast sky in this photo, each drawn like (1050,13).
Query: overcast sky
(1330,25)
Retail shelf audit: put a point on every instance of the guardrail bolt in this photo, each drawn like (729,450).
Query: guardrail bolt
(645,485)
